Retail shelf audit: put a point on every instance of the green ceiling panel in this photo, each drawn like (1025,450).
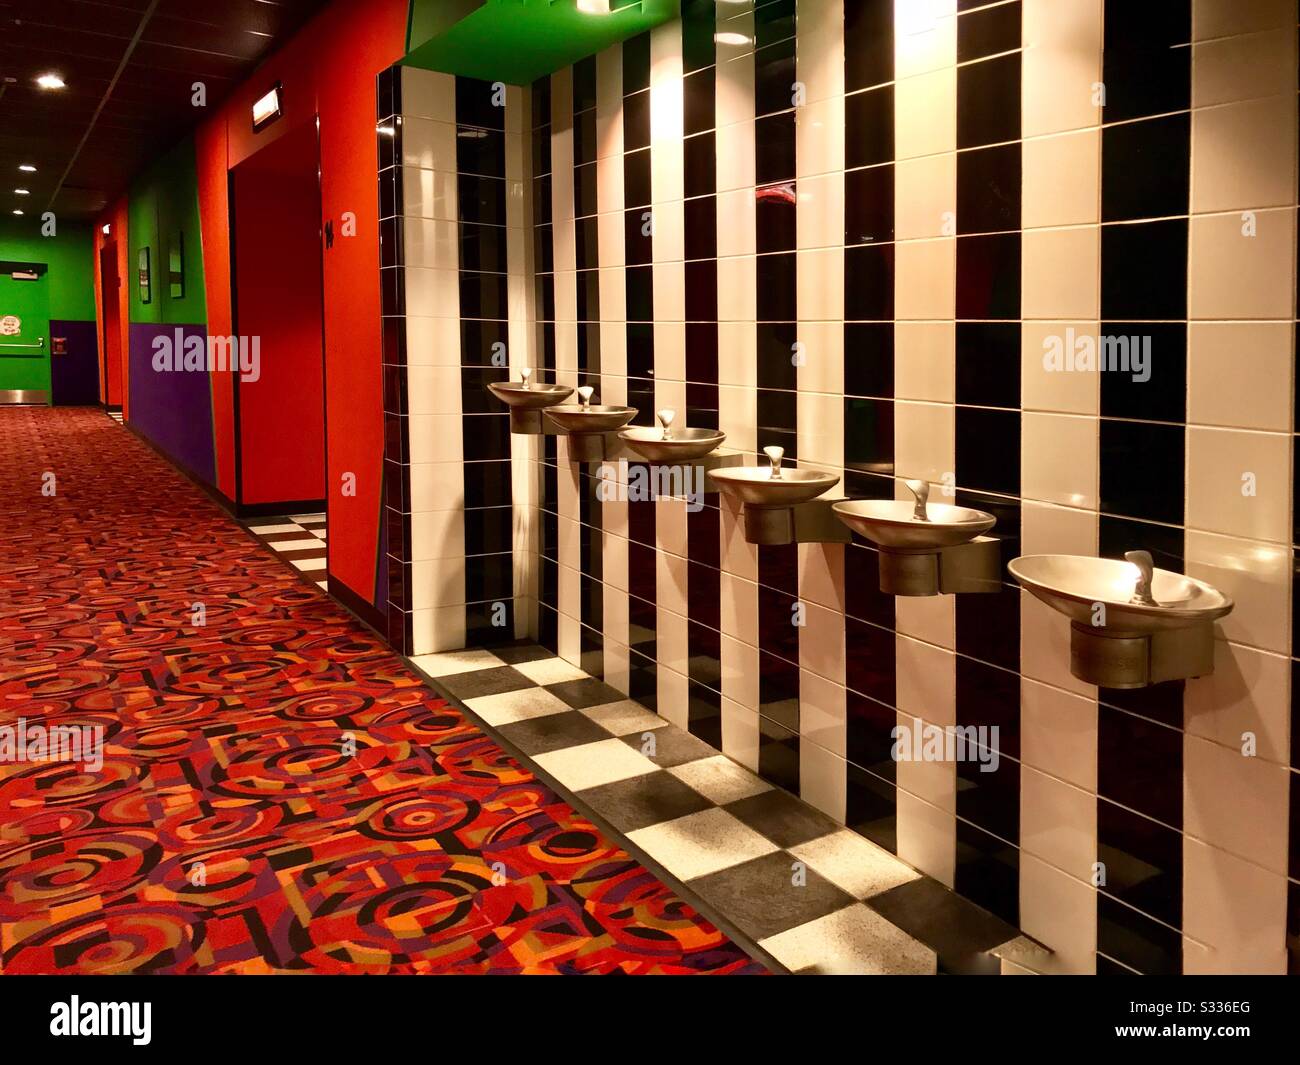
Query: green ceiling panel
(517,41)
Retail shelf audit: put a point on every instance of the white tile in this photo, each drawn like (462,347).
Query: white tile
(1243,154)
(1061,913)
(1233,912)
(720,779)
(925,361)
(1256,576)
(296,545)
(854,941)
(925,114)
(1232,275)
(1062,179)
(308,565)
(456,662)
(822,713)
(1058,823)
(1047,529)
(521,705)
(1235,802)
(549,671)
(1048,350)
(926,681)
(925,273)
(1224,468)
(1058,459)
(624,717)
(1060,275)
(823,778)
(590,765)
(1245,700)
(1239,374)
(1061,73)
(925,196)
(927,837)
(701,843)
(854,864)
(924,440)
(1224,18)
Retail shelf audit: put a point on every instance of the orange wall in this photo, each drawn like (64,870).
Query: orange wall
(327,70)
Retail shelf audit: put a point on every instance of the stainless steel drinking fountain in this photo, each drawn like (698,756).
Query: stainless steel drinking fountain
(586,426)
(927,548)
(1131,624)
(781,505)
(526,401)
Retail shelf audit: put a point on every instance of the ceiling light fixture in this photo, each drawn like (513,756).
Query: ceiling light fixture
(51,81)
(266,109)
(27,168)
(16,211)
(22,192)
(594,7)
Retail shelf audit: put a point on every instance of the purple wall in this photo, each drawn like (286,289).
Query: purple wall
(173,409)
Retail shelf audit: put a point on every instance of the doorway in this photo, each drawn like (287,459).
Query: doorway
(110,347)
(278,314)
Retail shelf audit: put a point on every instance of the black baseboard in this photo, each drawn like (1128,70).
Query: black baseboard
(271,510)
(362,608)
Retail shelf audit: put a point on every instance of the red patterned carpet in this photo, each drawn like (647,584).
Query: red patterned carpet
(230,828)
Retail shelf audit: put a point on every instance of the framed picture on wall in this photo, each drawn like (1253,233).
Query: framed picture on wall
(146,288)
(176,266)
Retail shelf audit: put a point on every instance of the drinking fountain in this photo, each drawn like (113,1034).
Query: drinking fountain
(668,445)
(527,400)
(927,548)
(1131,624)
(781,505)
(586,425)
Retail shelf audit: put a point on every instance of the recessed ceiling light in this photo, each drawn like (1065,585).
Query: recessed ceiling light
(27,168)
(23,192)
(51,81)
(594,7)
(16,211)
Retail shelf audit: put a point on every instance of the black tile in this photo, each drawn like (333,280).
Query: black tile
(777,287)
(1146,168)
(701,228)
(638,241)
(699,21)
(869,435)
(988,189)
(988,31)
(701,290)
(581,694)
(486,436)
(988,625)
(778,747)
(774,217)
(774,78)
(869,733)
(1142,861)
(699,165)
(513,654)
(636,63)
(480,151)
(483,295)
(869,283)
(1141,470)
(1136,941)
(1115,536)
(584,189)
(987,871)
(988,364)
(701,353)
(1146,64)
(1140,765)
(774,148)
(988,276)
(636,122)
(477,683)
(988,101)
(636,178)
(957,930)
(869,205)
(584,84)
(869,127)
(869,359)
(482,248)
(762,897)
(1144,270)
(639,284)
(989,697)
(868,43)
(1143,370)
(643,801)
(482,199)
(782,818)
(552,732)
(671,747)
(871,808)
(697,102)
(773,21)
(984,439)
(477,104)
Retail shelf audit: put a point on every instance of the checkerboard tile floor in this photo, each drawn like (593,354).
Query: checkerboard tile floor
(116,415)
(777,874)
(299,539)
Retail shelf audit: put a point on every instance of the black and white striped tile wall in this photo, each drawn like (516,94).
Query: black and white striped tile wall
(853,228)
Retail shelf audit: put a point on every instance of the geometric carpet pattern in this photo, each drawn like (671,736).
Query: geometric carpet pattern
(276,791)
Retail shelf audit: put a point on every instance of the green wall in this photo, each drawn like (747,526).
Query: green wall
(163,201)
(66,292)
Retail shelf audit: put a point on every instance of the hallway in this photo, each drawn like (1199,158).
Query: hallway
(227,830)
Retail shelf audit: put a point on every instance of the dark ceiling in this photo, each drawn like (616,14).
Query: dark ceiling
(123,123)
